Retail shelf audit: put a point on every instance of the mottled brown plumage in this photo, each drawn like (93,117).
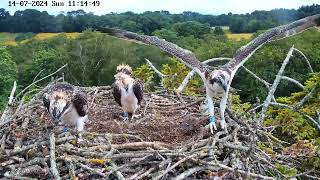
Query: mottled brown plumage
(66,104)
(127,90)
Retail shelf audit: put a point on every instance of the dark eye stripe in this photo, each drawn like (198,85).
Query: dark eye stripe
(222,76)
(66,107)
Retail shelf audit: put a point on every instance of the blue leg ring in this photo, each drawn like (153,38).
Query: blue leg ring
(125,114)
(65,129)
(212,119)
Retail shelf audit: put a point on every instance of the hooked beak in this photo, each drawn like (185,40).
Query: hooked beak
(56,114)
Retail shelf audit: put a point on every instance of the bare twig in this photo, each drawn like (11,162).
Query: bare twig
(161,75)
(306,59)
(275,85)
(189,172)
(53,164)
(39,80)
(8,112)
(174,166)
(293,81)
(305,99)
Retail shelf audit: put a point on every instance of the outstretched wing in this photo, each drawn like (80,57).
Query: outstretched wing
(80,102)
(116,93)
(138,89)
(184,55)
(273,34)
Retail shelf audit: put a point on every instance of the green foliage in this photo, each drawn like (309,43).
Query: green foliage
(191,28)
(176,71)
(168,35)
(286,170)
(270,57)
(44,63)
(92,57)
(8,74)
(145,73)
(218,31)
(24,36)
(31,20)
(239,106)
(291,123)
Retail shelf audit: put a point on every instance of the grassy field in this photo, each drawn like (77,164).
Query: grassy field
(9,38)
(238,37)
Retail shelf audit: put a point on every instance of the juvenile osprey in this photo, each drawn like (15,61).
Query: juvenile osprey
(218,80)
(127,91)
(67,106)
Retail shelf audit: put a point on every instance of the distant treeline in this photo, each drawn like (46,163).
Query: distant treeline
(31,20)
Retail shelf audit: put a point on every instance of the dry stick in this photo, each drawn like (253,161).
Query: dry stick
(174,166)
(34,79)
(7,113)
(254,175)
(24,127)
(94,96)
(189,172)
(71,168)
(11,97)
(305,99)
(311,120)
(145,173)
(305,57)
(136,174)
(41,80)
(161,75)
(37,144)
(257,77)
(293,81)
(53,163)
(89,168)
(275,85)
(118,173)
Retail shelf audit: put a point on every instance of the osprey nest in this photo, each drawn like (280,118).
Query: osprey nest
(169,141)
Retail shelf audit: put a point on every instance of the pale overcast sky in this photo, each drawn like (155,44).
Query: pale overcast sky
(214,7)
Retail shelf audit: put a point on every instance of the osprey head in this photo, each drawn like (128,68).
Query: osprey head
(123,78)
(124,68)
(124,75)
(58,105)
(217,79)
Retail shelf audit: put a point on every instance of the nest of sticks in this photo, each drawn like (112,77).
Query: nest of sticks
(169,141)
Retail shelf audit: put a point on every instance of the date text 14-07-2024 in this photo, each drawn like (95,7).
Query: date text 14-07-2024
(53,3)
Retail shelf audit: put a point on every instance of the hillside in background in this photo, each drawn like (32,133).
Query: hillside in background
(76,21)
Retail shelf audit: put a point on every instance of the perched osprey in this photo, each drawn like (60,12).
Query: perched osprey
(127,91)
(67,106)
(218,81)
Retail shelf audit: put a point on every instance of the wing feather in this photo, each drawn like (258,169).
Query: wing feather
(138,89)
(184,55)
(80,102)
(116,93)
(276,33)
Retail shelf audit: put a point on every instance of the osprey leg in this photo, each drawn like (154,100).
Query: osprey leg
(134,115)
(212,123)
(223,105)
(125,116)
(80,126)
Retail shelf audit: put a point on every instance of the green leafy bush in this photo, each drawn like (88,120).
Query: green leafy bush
(24,36)
(8,74)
